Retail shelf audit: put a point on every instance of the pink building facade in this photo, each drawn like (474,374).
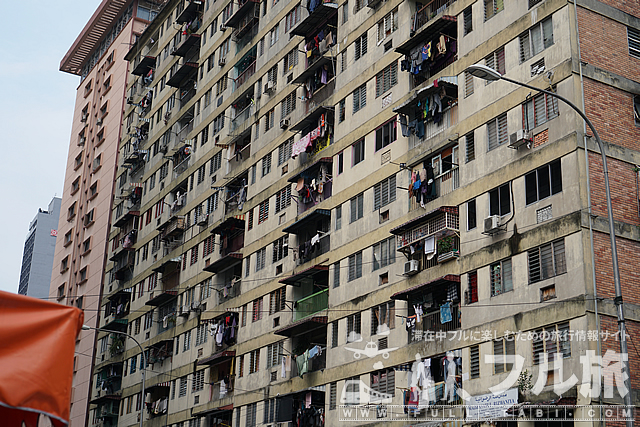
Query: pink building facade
(97,56)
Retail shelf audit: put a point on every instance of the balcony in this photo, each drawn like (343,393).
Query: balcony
(186,94)
(312,184)
(190,12)
(189,41)
(432,296)
(123,263)
(109,378)
(236,194)
(245,68)
(144,65)
(443,220)
(173,227)
(158,399)
(245,7)
(185,70)
(308,306)
(319,12)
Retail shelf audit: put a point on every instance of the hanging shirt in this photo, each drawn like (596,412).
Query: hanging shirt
(445,313)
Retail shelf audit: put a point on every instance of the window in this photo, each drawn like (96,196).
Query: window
(387,25)
(386,134)
(274,34)
(468,20)
(387,78)
(250,220)
(338,217)
(292,19)
(288,104)
(342,111)
(64,264)
(354,327)
(359,98)
(547,261)
(283,198)
(496,61)
(277,300)
(86,246)
(470,147)
(221,84)
(284,151)
(468,84)
(261,255)
(471,214)
(343,61)
(355,266)
(269,119)
(201,172)
(472,293)
(183,387)
(500,200)
(361,46)
(383,318)
(336,274)
(384,253)
(633,37)
(247,266)
(543,182)
(187,341)
(133,363)
(357,207)
(501,277)
(266,165)
(502,348)
(474,359)
(280,248)
(384,192)
(334,334)
(497,131)
(345,11)
(636,109)
(358,152)
(274,354)
(263,211)
(539,110)
(536,39)
(492,7)
(198,380)
(254,360)
(551,339)
(217,124)
(216,163)
(290,61)
(333,396)
(384,381)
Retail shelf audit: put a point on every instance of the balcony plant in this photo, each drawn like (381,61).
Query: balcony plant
(446,249)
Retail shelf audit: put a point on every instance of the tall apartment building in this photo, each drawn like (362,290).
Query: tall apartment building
(303,184)
(97,56)
(37,258)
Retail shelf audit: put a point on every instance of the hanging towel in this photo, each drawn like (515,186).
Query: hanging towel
(445,313)
(283,368)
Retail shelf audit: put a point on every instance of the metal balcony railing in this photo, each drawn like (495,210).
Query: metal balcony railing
(449,118)
(241,117)
(429,11)
(244,76)
(445,183)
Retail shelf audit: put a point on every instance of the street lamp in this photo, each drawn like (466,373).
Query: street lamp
(144,361)
(487,73)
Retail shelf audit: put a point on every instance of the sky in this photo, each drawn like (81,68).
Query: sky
(36,112)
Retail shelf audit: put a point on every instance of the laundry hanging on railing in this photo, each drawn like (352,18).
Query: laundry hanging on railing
(430,57)
(317,135)
(422,185)
(225,330)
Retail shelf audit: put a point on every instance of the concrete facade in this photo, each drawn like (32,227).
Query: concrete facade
(216,222)
(37,259)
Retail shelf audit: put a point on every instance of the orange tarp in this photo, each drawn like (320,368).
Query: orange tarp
(37,344)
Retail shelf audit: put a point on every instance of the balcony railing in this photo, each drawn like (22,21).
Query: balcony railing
(429,11)
(245,75)
(184,131)
(431,323)
(241,117)
(310,305)
(186,95)
(445,183)
(181,167)
(449,118)
(320,96)
(444,221)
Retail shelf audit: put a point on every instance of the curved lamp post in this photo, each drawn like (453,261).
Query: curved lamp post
(144,362)
(487,73)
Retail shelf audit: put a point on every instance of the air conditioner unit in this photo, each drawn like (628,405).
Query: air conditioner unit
(173,50)
(82,141)
(195,305)
(222,61)
(411,267)
(99,121)
(84,118)
(203,219)
(183,310)
(492,224)
(164,148)
(519,138)
(373,3)
(284,123)
(130,100)
(269,87)
(223,27)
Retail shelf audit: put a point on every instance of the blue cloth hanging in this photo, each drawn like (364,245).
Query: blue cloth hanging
(445,313)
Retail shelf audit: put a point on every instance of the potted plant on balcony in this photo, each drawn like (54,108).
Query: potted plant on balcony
(446,249)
